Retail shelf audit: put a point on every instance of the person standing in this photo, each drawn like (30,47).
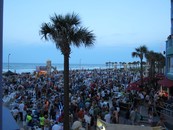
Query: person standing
(127,117)
(21,110)
(47,123)
(107,117)
(29,120)
(133,115)
(15,113)
(41,119)
(150,118)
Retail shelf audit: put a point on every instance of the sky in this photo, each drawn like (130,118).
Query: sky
(120,26)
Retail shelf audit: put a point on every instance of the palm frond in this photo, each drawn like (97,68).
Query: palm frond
(66,31)
(45,31)
(135,54)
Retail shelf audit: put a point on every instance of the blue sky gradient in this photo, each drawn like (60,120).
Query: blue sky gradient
(119,25)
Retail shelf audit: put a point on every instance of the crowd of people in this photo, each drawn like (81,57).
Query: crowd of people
(38,99)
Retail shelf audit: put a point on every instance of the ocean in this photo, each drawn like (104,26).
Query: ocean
(31,67)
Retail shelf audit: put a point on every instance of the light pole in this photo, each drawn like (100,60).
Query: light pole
(80,63)
(8,61)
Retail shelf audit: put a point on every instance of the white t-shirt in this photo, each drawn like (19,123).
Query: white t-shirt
(21,107)
(57,127)
(87,119)
(108,118)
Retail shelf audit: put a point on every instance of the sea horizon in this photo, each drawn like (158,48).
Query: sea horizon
(31,67)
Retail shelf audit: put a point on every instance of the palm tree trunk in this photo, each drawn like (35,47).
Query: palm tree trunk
(66,92)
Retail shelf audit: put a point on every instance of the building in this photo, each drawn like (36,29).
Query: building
(167,82)
(169,49)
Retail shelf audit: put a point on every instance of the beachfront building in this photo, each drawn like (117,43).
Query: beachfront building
(169,49)
(169,57)
(167,82)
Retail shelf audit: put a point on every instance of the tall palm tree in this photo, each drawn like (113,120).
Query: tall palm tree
(137,62)
(130,65)
(140,52)
(134,64)
(160,62)
(151,57)
(66,31)
(156,60)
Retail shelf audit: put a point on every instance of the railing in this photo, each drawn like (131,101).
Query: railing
(167,112)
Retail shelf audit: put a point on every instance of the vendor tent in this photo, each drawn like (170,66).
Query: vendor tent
(166,82)
(9,73)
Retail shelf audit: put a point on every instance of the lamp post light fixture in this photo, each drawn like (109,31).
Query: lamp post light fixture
(8,61)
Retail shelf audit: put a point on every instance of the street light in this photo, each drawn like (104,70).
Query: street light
(80,63)
(8,60)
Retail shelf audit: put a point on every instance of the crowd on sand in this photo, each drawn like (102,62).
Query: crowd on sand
(38,100)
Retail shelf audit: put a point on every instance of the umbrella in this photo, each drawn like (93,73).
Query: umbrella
(133,88)
(166,82)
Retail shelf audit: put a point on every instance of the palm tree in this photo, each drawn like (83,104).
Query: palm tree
(156,60)
(140,52)
(120,63)
(137,62)
(66,31)
(115,65)
(124,63)
(134,64)
(151,57)
(160,62)
(130,65)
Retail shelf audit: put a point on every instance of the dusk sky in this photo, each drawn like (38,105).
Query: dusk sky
(119,26)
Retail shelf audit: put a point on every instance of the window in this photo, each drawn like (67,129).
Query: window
(170,64)
(169,43)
